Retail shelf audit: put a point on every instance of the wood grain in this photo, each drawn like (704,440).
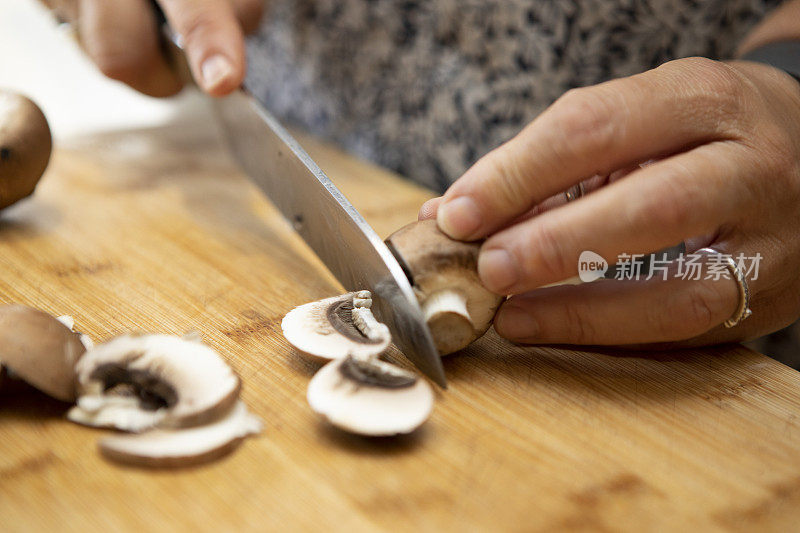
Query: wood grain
(156,231)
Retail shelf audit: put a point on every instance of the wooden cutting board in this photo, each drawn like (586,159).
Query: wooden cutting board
(157,231)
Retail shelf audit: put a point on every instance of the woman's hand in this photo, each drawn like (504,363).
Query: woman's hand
(725,144)
(121,37)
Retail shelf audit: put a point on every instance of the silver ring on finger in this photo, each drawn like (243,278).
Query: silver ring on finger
(743,309)
(575,192)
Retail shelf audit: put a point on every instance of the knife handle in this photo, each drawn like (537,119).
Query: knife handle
(172,46)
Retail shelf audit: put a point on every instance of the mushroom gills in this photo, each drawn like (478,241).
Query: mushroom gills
(373,372)
(370,397)
(115,411)
(183,447)
(135,383)
(336,327)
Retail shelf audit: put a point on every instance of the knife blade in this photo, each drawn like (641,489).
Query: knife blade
(328,223)
(318,211)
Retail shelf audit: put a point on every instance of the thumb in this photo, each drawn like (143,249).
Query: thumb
(429,208)
(497,188)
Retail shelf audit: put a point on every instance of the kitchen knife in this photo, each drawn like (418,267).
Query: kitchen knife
(328,222)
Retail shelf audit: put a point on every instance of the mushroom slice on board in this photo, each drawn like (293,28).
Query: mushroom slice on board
(335,327)
(39,349)
(183,447)
(444,273)
(135,383)
(370,397)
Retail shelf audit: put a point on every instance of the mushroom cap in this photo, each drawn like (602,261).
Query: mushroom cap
(137,382)
(325,330)
(435,263)
(40,350)
(368,409)
(183,447)
(25,145)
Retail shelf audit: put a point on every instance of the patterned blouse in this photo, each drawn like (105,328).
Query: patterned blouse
(427,87)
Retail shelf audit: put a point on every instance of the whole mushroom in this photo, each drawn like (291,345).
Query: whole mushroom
(444,274)
(40,350)
(25,145)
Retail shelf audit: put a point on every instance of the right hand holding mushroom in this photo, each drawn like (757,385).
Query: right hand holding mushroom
(726,139)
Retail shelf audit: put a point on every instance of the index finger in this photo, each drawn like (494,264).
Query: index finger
(213,42)
(594,130)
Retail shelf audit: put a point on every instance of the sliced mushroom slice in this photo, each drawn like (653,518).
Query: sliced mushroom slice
(370,397)
(40,350)
(336,327)
(183,447)
(444,274)
(135,383)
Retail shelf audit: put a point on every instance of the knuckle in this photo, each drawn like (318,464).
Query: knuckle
(692,309)
(121,65)
(249,13)
(198,25)
(670,208)
(551,259)
(661,323)
(719,91)
(587,120)
(700,309)
(779,155)
(722,76)
(509,186)
(580,330)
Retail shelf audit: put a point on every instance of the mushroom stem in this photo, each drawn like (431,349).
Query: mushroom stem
(364,320)
(446,314)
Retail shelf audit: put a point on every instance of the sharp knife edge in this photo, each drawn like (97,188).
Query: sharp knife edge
(328,222)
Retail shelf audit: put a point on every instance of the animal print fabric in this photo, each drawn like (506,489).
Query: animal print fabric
(427,87)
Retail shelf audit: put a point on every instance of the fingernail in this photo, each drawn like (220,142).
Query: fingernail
(216,69)
(460,217)
(498,270)
(515,323)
